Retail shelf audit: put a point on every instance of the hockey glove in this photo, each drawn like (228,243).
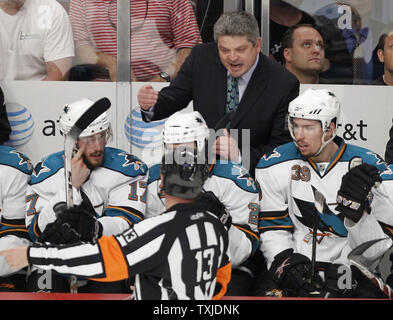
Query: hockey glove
(58,232)
(335,284)
(83,221)
(292,272)
(354,196)
(212,204)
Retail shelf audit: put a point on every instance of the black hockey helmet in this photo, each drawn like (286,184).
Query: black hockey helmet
(5,128)
(183,174)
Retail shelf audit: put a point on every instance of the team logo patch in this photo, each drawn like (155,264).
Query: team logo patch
(23,159)
(245,175)
(273,154)
(40,168)
(132,160)
(380,160)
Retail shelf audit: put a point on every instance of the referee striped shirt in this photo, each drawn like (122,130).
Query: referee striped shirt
(158,29)
(181,254)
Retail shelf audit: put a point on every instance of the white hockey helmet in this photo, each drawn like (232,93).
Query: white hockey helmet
(73,111)
(184,127)
(315,104)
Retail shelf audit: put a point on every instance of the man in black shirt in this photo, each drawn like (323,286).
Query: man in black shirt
(385,56)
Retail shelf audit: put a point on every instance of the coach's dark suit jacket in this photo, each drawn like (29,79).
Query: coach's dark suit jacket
(262,109)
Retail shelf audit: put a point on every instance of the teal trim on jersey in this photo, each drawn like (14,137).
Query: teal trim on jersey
(32,234)
(285,152)
(123,162)
(235,172)
(278,221)
(388,173)
(367,156)
(154,173)
(129,217)
(47,167)
(9,156)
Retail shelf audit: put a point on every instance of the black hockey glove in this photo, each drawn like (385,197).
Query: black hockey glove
(335,285)
(83,221)
(212,204)
(353,198)
(292,272)
(58,232)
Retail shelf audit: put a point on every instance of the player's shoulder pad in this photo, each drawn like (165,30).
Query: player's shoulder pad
(235,172)
(9,156)
(366,155)
(123,162)
(285,152)
(154,173)
(47,167)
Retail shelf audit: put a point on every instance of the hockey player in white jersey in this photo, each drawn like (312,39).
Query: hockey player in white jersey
(181,254)
(317,159)
(108,185)
(15,172)
(229,182)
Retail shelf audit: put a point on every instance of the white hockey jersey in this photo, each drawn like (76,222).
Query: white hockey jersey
(15,172)
(115,190)
(287,180)
(236,189)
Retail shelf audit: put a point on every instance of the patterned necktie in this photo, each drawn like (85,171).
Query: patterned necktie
(232,95)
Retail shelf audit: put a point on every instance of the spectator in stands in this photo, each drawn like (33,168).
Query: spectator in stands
(162,36)
(385,56)
(36,40)
(304,53)
(351,36)
(284,15)
(15,172)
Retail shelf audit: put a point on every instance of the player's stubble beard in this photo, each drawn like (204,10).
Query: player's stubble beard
(91,165)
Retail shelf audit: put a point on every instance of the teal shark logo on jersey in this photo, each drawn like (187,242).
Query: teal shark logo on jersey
(273,154)
(40,168)
(244,174)
(132,160)
(327,221)
(23,159)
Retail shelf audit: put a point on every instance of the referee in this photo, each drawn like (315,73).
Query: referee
(180,254)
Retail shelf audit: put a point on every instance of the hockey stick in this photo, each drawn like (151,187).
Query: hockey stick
(70,140)
(318,203)
(355,257)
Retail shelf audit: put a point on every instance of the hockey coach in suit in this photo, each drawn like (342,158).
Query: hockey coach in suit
(234,86)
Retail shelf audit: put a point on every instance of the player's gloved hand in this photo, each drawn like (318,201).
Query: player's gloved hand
(354,198)
(83,221)
(334,284)
(292,272)
(58,232)
(212,204)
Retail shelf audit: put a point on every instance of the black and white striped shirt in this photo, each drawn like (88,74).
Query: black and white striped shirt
(180,254)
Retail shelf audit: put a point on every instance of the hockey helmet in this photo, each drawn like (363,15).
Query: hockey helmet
(315,104)
(73,111)
(183,175)
(184,127)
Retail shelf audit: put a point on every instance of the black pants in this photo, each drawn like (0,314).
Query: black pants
(13,283)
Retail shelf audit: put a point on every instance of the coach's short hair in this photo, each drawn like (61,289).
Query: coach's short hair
(237,23)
